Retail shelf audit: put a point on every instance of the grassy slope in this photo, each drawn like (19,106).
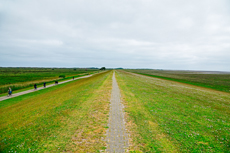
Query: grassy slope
(219,82)
(165,116)
(69,117)
(18,78)
(30,85)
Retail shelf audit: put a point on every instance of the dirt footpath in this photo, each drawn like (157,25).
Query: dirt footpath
(117,137)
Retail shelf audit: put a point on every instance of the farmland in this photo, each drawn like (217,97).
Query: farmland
(166,116)
(214,80)
(68,117)
(19,78)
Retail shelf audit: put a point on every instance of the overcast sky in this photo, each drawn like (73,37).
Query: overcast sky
(158,34)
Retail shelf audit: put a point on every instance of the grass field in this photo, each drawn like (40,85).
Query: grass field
(166,116)
(162,116)
(19,78)
(71,117)
(214,80)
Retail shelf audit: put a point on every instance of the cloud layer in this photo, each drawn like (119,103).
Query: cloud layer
(188,35)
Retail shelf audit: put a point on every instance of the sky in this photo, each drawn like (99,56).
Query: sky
(156,34)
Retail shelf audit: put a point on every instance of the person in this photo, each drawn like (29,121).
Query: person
(9,91)
(73,77)
(44,84)
(35,86)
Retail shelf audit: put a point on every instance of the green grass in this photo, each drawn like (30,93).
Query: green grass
(166,116)
(68,117)
(19,78)
(219,82)
(30,86)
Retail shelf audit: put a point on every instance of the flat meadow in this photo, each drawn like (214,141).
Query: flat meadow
(168,116)
(208,79)
(19,78)
(70,117)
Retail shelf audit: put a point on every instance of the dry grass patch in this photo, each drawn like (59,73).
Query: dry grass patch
(90,134)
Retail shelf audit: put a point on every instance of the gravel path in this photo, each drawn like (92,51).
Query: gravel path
(117,137)
(40,88)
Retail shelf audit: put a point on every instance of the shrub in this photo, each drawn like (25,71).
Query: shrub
(61,76)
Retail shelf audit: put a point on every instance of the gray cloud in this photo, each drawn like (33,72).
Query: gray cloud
(163,34)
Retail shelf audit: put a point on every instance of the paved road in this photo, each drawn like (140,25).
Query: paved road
(40,88)
(117,138)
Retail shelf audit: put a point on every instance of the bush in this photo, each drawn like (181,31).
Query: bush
(103,68)
(61,76)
